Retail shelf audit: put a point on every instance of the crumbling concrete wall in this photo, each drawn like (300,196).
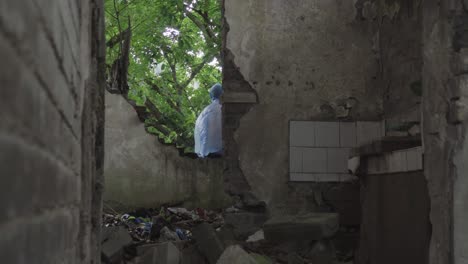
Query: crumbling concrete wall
(304,60)
(396,26)
(142,172)
(445,119)
(51,114)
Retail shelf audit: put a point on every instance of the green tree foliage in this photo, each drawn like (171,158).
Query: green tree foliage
(174,58)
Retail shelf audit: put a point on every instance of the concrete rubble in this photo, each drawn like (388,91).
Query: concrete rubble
(181,236)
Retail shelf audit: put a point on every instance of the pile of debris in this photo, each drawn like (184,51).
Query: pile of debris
(180,236)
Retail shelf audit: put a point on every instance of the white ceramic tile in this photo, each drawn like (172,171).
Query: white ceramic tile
(327,134)
(337,160)
(295,159)
(348,136)
(302,134)
(314,160)
(414,159)
(397,161)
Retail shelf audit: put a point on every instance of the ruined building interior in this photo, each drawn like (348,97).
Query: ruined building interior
(344,128)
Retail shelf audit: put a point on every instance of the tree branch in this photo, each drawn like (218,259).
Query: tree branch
(166,97)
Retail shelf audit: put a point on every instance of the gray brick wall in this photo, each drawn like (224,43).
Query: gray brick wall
(51,56)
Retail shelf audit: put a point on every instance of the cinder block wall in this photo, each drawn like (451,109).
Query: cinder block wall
(51,102)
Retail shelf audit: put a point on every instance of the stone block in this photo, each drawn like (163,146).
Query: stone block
(191,255)
(313,226)
(302,134)
(236,255)
(33,178)
(208,242)
(327,134)
(163,253)
(314,160)
(245,223)
(112,248)
(348,137)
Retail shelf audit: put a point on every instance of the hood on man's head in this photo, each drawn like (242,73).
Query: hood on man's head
(216,91)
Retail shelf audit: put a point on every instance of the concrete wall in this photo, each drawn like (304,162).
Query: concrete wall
(51,99)
(445,119)
(141,172)
(304,60)
(396,27)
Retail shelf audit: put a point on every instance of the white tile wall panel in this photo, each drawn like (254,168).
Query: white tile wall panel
(414,158)
(295,159)
(348,135)
(397,161)
(314,160)
(302,134)
(337,160)
(327,134)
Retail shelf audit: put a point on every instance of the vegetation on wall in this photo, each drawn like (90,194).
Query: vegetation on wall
(165,55)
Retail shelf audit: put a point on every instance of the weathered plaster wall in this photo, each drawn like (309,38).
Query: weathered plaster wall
(305,60)
(141,172)
(51,112)
(397,46)
(445,119)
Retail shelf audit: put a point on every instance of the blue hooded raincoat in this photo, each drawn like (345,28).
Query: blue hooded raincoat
(208,128)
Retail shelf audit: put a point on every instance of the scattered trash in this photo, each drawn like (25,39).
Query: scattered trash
(181,234)
(232,235)
(169,235)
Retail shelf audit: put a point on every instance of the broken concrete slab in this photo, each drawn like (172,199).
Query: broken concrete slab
(245,223)
(191,255)
(113,244)
(208,242)
(257,236)
(106,232)
(236,255)
(169,235)
(313,226)
(163,253)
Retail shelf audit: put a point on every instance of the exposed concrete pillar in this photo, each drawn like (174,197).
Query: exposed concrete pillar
(445,122)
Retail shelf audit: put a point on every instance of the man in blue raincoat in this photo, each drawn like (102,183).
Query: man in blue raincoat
(208,128)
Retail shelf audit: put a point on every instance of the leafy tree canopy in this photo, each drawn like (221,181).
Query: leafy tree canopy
(173,59)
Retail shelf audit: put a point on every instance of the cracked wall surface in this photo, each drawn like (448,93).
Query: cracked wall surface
(141,172)
(51,130)
(445,119)
(306,60)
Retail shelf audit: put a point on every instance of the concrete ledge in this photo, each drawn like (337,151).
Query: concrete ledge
(386,144)
(394,162)
(313,226)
